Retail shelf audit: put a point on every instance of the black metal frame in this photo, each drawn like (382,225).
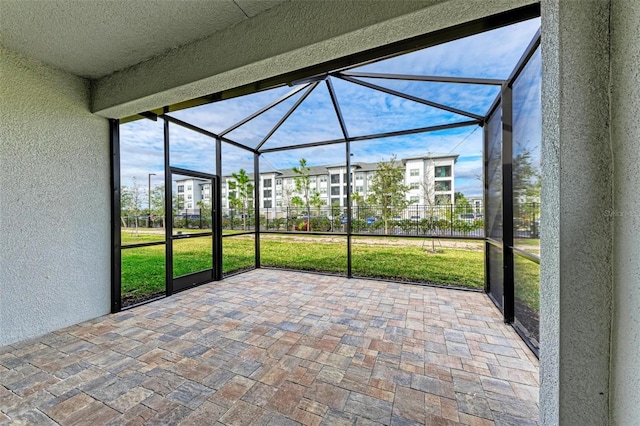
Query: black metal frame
(513,251)
(116,241)
(507,204)
(507,244)
(309,79)
(345,63)
(183,282)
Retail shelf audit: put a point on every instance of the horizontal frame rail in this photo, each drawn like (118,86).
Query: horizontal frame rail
(379,135)
(138,245)
(427,78)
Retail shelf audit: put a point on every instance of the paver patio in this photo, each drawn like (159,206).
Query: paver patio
(277,348)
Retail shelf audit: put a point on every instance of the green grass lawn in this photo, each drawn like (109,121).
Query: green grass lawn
(527,282)
(398,259)
(461,268)
(143,268)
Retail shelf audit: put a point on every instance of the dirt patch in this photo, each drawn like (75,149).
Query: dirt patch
(133,299)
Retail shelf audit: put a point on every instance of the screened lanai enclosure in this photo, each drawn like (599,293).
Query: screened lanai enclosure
(422,167)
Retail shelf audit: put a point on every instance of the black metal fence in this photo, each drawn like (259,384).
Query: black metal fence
(421,220)
(439,220)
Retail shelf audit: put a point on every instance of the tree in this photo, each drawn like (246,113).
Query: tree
(388,190)
(317,202)
(130,201)
(527,185)
(526,178)
(428,193)
(303,182)
(157,203)
(297,202)
(125,202)
(357,201)
(462,205)
(205,212)
(287,195)
(243,196)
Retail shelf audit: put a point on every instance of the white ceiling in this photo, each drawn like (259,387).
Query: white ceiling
(94,38)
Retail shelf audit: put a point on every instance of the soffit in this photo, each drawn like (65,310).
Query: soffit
(93,39)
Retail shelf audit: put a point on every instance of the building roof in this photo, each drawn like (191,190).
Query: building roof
(358,166)
(433,157)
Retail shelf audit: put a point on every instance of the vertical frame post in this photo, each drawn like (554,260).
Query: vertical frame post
(168,212)
(349,213)
(345,133)
(507,203)
(217,216)
(256,206)
(116,253)
(485,198)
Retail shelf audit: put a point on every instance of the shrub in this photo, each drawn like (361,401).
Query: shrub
(358,225)
(426,225)
(321,224)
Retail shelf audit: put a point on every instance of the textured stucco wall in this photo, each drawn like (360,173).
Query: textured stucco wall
(577,235)
(301,33)
(54,201)
(625,136)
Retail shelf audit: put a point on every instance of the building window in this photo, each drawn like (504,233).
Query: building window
(335,190)
(370,176)
(279,203)
(189,188)
(278,182)
(443,185)
(266,183)
(232,194)
(359,176)
(414,199)
(335,179)
(443,171)
(189,205)
(189,197)
(278,192)
(312,179)
(323,179)
(414,172)
(266,193)
(360,189)
(335,201)
(323,190)
(414,185)
(205,196)
(267,204)
(180,188)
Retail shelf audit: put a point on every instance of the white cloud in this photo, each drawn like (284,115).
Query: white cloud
(491,55)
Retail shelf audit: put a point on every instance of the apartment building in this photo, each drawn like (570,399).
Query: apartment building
(430,179)
(192,193)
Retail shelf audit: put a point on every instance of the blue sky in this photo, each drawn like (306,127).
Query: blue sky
(488,55)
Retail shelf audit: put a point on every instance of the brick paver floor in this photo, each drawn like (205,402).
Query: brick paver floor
(279,348)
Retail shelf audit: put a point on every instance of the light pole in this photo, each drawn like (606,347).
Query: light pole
(149,200)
